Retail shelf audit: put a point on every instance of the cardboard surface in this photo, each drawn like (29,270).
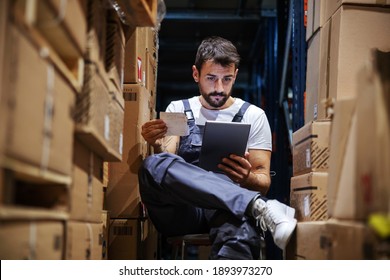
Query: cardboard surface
(86,191)
(311,147)
(83,241)
(309,196)
(40,124)
(317,75)
(31,240)
(122,196)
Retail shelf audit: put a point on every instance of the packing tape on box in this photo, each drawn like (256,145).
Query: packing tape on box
(32,241)
(90,245)
(48,118)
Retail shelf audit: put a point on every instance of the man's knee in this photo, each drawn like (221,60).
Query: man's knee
(157,165)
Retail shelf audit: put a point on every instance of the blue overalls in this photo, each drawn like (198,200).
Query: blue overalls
(182,198)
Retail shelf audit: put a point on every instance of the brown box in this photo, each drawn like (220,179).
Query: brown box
(308,196)
(311,147)
(132,239)
(316,75)
(122,195)
(307,242)
(320,11)
(86,190)
(3,29)
(93,120)
(31,240)
(350,240)
(138,12)
(64,26)
(359,177)
(96,13)
(351,42)
(135,57)
(116,115)
(39,107)
(333,240)
(83,241)
(115,54)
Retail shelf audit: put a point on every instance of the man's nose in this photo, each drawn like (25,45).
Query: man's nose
(218,85)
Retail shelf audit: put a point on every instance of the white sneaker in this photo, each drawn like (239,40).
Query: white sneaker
(278,218)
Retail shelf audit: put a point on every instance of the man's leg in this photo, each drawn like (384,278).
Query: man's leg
(232,239)
(196,186)
(192,185)
(169,215)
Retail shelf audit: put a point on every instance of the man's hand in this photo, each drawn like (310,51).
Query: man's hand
(154,131)
(236,168)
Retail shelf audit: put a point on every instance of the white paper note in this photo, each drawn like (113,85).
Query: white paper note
(176,122)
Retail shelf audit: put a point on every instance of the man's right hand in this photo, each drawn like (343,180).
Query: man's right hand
(154,131)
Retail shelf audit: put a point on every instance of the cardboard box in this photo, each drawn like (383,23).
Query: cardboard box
(350,240)
(115,54)
(40,124)
(116,114)
(122,195)
(135,57)
(31,240)
(139,12)
(86,191)
(307,242)
(317,75)
(63,26)
(3,29)
(132,239)
(93,120)
(333,240)
(309,196)
(83,241)
(311,147)
(320,11)
(96,13)
(352,39)
(359,178)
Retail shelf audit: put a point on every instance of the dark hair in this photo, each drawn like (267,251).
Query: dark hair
(218,49)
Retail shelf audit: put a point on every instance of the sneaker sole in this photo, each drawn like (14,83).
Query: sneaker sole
(288,231)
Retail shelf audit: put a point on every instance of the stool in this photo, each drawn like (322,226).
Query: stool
(181,242)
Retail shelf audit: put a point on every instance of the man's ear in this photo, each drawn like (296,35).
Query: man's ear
(195,73)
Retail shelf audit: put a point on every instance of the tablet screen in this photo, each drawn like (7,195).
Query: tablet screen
(220,139)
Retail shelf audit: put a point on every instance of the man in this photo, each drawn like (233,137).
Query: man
(181,198)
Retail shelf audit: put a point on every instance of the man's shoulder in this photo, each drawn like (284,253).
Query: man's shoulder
(178,105)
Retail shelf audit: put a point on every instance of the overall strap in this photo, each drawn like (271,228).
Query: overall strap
(241,112)
(187,110)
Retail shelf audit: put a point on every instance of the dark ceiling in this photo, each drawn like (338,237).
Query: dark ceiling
(187,22)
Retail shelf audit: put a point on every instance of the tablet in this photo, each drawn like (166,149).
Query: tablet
(220,139)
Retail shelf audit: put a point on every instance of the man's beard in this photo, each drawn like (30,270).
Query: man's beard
(219,100)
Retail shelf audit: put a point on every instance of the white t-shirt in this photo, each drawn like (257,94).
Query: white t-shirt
(260,133)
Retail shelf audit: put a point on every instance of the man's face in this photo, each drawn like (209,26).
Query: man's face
(215,82)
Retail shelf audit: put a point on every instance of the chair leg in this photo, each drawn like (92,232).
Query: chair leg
(183,249)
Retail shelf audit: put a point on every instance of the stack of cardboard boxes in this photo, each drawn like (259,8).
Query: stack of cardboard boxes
(132,235)
(62,120)
(340,155)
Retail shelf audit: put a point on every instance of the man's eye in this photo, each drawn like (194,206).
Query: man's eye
(211,78)
(228,79)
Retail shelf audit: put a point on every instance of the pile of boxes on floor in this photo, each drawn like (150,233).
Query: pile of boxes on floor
(341,157)
(62,120)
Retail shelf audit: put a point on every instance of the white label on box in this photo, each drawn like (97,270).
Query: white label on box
(315,111)
(107,127)
(308,162)
(121,143)
(306,206)
(139,65)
